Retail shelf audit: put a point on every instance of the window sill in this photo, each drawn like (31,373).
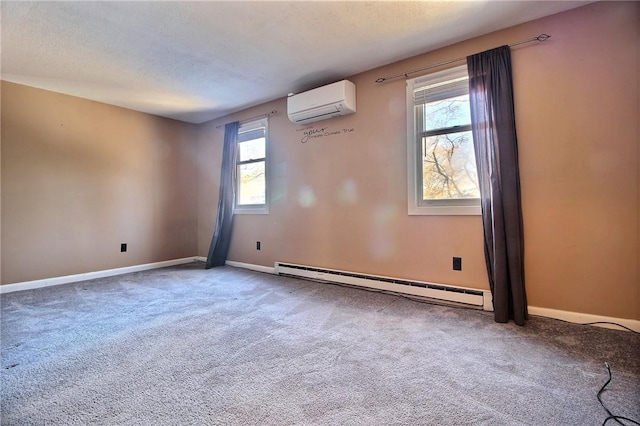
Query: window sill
(444,210)
(251,210)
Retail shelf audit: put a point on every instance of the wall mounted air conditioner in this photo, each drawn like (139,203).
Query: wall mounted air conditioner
(324,102)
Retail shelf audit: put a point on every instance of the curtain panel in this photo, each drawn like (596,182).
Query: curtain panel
(221,240)
(496,148)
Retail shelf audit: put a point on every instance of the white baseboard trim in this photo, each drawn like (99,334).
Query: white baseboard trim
(258,268)
(580,318)
(574,317)
(47,282)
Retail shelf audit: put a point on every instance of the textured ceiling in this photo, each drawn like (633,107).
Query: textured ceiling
(196,61)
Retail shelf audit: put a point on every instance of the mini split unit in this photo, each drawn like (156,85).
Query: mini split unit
(324,102)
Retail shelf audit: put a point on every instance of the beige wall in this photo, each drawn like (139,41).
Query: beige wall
(80,177)
(340,201)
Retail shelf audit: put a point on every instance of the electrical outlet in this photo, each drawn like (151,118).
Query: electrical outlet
(123,247)
(457,264)
(258,245)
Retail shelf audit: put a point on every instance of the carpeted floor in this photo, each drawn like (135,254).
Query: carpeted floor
(227,346)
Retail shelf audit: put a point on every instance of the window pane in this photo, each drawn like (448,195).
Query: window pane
(252,149)
(449,167)
(251,183)
(447,113)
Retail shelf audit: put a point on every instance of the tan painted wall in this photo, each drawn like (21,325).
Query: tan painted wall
(340,201)
(80,177)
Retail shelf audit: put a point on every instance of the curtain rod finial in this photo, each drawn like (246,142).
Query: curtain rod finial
(543,37)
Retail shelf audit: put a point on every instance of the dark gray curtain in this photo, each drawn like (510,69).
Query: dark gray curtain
(222,233)
(496,148)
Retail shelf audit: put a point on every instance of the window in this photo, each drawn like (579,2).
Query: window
(442,173)
(251,168)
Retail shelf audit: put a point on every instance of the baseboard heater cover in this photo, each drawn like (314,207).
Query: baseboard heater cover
(459,295)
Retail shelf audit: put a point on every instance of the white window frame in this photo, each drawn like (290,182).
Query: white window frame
(246,127)
(414,162)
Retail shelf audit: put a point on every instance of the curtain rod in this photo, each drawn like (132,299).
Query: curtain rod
(269,114)
(541,37)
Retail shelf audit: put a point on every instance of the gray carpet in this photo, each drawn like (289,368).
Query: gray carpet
(227,346)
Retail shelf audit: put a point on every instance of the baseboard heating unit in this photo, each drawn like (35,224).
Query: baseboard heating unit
(478,299)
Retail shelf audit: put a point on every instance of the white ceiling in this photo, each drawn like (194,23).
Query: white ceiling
(196,61)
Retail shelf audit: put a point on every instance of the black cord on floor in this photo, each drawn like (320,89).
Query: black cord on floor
(619,417)
(611,323)
(611,415)
(592,323)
